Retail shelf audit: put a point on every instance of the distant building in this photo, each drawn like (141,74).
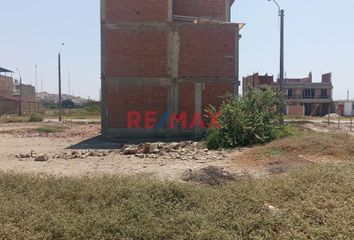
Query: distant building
(28,92)
(345,108)
(10,96)
(8,104)
(304,97)
(6,83)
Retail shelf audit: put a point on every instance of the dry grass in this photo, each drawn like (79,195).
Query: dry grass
(13,119)
(315,202)
(335,146)
(51,129)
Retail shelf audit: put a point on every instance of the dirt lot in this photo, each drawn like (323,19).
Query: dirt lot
(75,149)
(78,150)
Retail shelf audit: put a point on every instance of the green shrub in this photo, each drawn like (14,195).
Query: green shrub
(50,129)
(253,119)
(93,107)
(36,118)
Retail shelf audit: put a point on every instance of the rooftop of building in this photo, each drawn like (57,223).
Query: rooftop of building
(269,80)
(4,70)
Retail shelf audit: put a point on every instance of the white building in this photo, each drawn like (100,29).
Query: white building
(348,108)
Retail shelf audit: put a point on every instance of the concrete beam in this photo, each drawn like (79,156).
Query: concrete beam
(307,86)
(206,80)
(128,81)
(133,25)
(128,134)
(310,100)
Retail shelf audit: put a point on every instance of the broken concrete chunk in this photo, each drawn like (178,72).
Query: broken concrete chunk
(146,148)
(130,151)
(42,158)
(273,210)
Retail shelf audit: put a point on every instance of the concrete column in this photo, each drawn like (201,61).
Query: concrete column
(198,106)
(170,11)
(227,11)
(237,61)
(173,69)
(104,111)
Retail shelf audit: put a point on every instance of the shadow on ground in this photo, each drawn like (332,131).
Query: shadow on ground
(99,143)
(286,165)
(102,143)
(210,176)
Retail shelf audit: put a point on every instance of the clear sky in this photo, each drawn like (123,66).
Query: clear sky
(319,38)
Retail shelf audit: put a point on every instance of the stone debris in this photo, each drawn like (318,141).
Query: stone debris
(83,154)
(66,155)
(185,151)
(42,158)
(273,210)
(130,151)
(23,155)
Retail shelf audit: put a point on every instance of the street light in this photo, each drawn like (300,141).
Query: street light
(20,103)
(59,80)
(281,73)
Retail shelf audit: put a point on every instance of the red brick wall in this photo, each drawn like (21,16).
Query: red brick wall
(327,78)
(200,8)
(207,51)
(136,10)
(8,106)
(215,94)
(187,99)
(267,80)
(293,80)
(122,99)
(296,110)
(6,86)
(132,53)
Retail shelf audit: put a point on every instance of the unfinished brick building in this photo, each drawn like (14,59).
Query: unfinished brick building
(165,56)
(304,97)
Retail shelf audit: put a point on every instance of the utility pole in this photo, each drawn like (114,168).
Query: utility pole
(36,82)
(281,83)
(59,82)
(281,72)
(20,103)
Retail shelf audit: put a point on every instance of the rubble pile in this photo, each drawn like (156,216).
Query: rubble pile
(66,155)
(187,150)
(82,154)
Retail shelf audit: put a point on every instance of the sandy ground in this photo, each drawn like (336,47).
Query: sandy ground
(80,137)
(22,138)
